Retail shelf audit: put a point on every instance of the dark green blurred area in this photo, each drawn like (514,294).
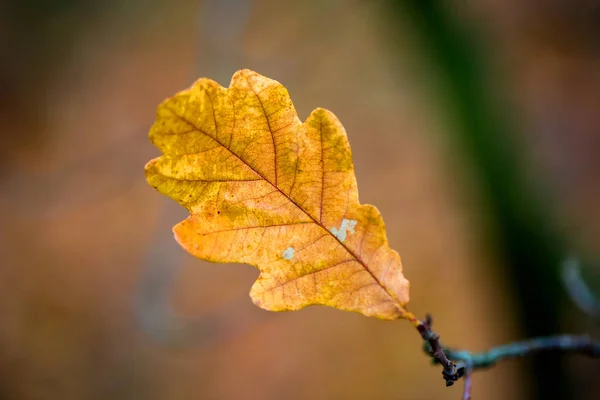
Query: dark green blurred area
(519,222)
(485,113)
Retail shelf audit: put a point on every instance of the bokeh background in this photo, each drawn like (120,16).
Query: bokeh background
(475,129)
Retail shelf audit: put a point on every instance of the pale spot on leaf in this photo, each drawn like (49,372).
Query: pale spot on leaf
(288,253)
(347,226)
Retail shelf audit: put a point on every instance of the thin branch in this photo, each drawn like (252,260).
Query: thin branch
(451,371)
(467,387)
(468,362)
(561,343)
(578,289)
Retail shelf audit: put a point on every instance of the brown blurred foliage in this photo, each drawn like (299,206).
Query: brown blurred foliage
(86,245)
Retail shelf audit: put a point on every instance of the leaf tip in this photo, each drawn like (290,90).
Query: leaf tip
(244,74)
(150,172)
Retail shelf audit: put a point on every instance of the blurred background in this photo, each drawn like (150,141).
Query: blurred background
(475,130)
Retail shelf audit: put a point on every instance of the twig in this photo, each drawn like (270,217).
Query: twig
(451,371)
(467,387)
(564,343)
(468,362)
(578,290)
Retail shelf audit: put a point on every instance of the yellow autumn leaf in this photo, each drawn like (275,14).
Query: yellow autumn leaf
(265,189)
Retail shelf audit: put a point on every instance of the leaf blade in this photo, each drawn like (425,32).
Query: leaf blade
(265,189)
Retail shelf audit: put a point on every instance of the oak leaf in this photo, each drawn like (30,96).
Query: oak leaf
(265,189)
